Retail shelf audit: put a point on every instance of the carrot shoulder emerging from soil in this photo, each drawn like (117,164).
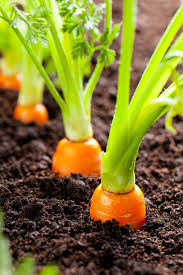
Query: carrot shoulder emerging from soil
(77,157)
(12,82)
(36,113)
(126,208)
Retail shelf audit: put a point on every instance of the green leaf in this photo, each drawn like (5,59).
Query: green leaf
(80,16)
(157,56)
(115,32)
(169,120)
(50,270)
(108,37)
(5,259)
(25,267)
(33,25)
(80,48)
(176,109)
(104,39)
(107,56)
(172,55)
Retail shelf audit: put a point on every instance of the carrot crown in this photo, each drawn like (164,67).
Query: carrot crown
(73,37)
(133,119)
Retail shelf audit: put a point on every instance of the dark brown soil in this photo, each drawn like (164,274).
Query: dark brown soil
(48,217)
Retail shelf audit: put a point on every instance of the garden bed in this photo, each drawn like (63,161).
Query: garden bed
(49,217)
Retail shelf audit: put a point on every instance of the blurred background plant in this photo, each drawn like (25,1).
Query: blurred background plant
(25,267)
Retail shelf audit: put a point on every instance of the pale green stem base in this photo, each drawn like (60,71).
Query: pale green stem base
(31,92)
(31,95)
(77,124)
(121,179)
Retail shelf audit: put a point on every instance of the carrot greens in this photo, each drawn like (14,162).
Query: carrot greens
(133,119)
(73,37)
(118,197)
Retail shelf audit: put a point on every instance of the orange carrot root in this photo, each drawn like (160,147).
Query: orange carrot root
(12,82)
(37,113)
(77,157)
(127,209)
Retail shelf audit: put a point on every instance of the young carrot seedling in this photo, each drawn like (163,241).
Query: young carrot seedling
(73,37)
(118,197)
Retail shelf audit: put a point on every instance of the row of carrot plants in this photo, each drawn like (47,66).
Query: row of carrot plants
(65,35)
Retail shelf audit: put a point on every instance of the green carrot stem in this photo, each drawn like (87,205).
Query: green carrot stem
(121,112)
(108,22)
(157,56)
(31,92)
(70,84)
(91,86)
(122,178)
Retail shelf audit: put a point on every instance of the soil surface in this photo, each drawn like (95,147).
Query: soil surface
(49,217)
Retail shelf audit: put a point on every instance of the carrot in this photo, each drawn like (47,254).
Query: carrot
(12,82)
(77,157)
(35,113)
(118,197)
(127,209)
